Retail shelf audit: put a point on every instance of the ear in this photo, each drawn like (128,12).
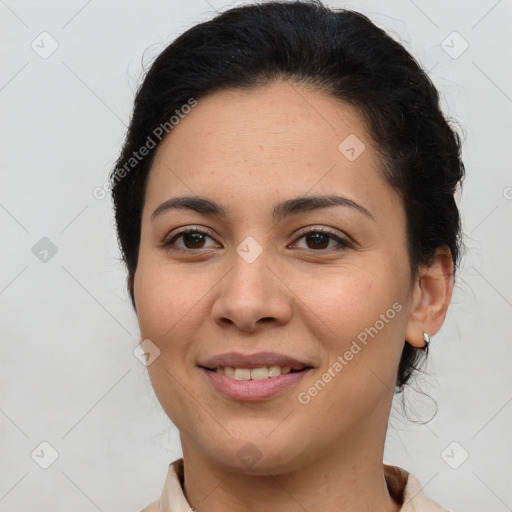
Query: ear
(432,293)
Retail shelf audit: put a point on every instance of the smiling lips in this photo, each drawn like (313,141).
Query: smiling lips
(253,377)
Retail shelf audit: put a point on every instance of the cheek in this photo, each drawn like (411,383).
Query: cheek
(347,300)
(165,298)
(358,317)
(167,306)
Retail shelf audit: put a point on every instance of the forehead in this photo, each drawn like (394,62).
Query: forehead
(267,144)
(281,116)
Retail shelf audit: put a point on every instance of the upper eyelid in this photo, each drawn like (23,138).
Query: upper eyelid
(321,229)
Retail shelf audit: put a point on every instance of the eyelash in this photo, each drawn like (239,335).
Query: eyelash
(343,244)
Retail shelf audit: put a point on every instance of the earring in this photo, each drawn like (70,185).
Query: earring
(426,338)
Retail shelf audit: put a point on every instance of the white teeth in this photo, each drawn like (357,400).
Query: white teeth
(242,374)
(261,373)
(274,371)
(228,371)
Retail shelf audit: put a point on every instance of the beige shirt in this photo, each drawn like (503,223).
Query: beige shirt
(403,486)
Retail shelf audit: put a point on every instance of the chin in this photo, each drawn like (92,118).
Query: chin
(261,456)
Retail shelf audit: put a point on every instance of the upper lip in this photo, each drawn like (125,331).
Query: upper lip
(239,360)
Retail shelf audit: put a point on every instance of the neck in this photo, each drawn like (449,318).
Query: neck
(344,479)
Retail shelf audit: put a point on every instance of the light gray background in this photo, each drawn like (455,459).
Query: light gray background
(68,373)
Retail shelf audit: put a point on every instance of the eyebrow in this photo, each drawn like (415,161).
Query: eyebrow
(281,210)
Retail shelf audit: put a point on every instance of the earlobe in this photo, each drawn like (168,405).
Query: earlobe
(432,294)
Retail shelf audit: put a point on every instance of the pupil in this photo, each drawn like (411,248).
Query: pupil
(193,238)
(317,239)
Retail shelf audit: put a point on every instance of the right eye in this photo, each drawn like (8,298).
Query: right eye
(193,239)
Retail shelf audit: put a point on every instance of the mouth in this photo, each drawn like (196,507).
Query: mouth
(258,366)
(253,377)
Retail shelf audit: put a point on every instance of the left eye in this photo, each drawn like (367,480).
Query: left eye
(320,239)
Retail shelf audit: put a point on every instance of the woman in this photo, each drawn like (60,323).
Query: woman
(285,207)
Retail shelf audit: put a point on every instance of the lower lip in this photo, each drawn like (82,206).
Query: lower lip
(253,390)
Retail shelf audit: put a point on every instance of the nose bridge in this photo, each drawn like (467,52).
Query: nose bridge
(251,291)
(251,278)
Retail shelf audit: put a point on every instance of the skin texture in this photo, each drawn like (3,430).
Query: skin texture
(249,150)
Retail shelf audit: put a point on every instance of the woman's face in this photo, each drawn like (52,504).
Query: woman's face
(337,300)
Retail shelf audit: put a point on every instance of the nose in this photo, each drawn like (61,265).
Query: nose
(252,296)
